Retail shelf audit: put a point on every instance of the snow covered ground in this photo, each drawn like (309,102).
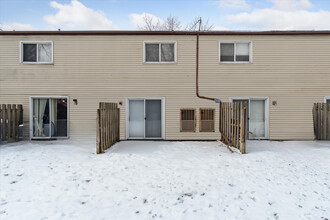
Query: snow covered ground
(168,180)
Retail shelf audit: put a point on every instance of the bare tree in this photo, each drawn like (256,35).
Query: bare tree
(150,24)
(172,23)
(198,25)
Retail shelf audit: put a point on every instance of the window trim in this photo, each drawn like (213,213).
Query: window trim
(21,43)
(163,118)
(160,42)
(236,42)
(200,119)
(195,120)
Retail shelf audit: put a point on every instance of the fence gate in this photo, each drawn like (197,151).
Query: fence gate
(232,124)
(11,116)
(107,126)
(321,121)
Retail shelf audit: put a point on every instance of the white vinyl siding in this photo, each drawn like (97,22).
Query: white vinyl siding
(291,70)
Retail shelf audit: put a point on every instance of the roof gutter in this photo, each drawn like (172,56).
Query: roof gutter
(197,67)
(192,33)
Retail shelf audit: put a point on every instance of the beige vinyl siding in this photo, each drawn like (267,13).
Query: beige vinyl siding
(293,70)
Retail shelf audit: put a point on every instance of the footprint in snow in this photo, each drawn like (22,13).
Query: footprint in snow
(20,174)
(12,182)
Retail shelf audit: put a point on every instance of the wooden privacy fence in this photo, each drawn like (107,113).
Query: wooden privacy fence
(321,121)
(107,126)
(232,124)
(11,116)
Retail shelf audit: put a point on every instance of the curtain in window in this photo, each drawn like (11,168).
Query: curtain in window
(227,52)
(152,52)
(39,108)
(44,52)
(167,52)
(53,116)
(242,52)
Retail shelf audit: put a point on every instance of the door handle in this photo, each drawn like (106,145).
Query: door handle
(145,118)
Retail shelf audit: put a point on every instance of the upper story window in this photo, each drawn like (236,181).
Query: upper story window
(239,52)
(159,52)
(37,52)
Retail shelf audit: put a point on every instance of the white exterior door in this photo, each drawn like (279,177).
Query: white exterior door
(257,119)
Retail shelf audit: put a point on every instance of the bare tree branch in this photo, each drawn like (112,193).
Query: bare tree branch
(171,24)
(150,24)
(199,25)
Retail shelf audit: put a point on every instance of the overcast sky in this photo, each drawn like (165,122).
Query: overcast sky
(127,14)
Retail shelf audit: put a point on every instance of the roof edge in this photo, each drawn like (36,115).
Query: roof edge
(291,32)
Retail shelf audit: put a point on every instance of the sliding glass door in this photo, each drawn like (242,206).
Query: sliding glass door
(257,117)
(49,117)
(145,118)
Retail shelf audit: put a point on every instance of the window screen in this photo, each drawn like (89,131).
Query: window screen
(206,120)
(152,52)
(30,52)
(188,120)
(227,52)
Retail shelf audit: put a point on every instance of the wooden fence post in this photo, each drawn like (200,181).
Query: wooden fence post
(98,134)
(4,122)
(328,115)
(324,121)
(242,125)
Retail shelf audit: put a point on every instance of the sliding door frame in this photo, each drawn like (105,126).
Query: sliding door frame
(50,107)
(144,99)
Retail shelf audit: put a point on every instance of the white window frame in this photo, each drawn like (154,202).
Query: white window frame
(326,98)
(162,117)
(31,117)
(35,42)
(160,57)
(236,42)
(266,99)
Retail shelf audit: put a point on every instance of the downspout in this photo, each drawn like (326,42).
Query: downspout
(197,60)
(197,89)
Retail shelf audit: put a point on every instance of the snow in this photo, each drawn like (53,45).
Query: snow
(168,180)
